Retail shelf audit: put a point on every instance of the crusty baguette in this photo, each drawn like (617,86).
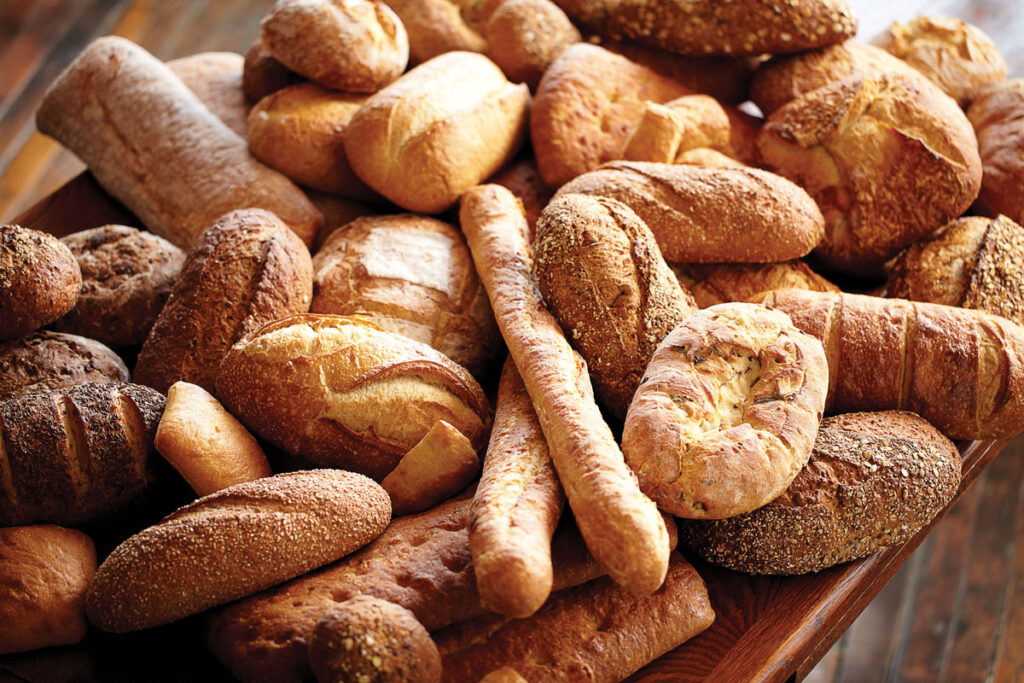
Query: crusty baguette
(48,360)
(154,146)
(622,527)
(718,283)
(216,79)
(962,370)
(597,632)
(235,542)
(40,280)
(516,507)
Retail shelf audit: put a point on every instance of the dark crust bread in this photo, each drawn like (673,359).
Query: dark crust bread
(50,360)
(39,280)
(997,281)
(996,116)
(262,74)
(873,481)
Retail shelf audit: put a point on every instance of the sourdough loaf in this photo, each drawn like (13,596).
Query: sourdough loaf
(719,283)
(216,79)
(48,360)
(996,116)
(39,280)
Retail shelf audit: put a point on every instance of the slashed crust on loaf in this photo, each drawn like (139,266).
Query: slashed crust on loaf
(719,283)
(996,116)
(48,360)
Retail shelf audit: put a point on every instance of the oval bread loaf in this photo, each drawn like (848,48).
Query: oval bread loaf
(48,360)
(996,116)
(341,392)
(262,74)
(873,481)
(436,27)
(525,36)
(233,543)
(39,280)
(719,283)
(216,79)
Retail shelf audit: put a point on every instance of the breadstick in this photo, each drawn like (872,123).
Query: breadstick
(516,508)
(622,527)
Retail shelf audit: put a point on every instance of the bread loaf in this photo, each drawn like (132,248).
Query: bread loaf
(665,131)
(245,271)
(996,117)
(262,74)
(50,360)
(603,278)
(44,573)
(435,27)
(413,276)
(711,215)
(233,543)
(216,79)
(422,146)
(75,455)
(711,27)
(596,632)
(127,275)
(719,283)
(153,145)
(889,159)
(522,179)
(337,212)
(347,45)
(711,158)
(953,54)
(961,370)
(525,36)
(39,280)
(299,130)
(873,481)
(341,392)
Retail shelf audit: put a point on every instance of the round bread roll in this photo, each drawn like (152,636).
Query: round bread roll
(39,280)
(47,360)
(127,275)
(413,276)
(872,482)
(262,74)
(996,116)
(44,574)
(370,640)
(525,36)
(233,543)
(347,45)
(436,27)
(727,412)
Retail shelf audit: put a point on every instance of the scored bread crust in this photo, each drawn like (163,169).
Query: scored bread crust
(938,269)
(996,117)
(873,481)
(727,411)
(48,360)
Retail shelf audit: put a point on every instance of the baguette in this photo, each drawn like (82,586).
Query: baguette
(235,542)
(45,360)
(516,507)
(153,145)
(39,280)
(622,527)
(216,79)
(962,370)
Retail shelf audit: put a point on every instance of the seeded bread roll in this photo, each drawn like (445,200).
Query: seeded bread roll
(436,27)
(233,543)
(127,275)
(216,79)
(711,215)
(245,271)
(39,280)
(953,54)
(525,36)
(996,116)
(75,455)
(720,283)
(44,573)
(873,481)
(603,277)
(262,74)
(46,360)
(861,148)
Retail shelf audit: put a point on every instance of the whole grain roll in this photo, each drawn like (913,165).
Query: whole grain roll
(436,27)
(75,455)
(873,481)
(39,280)
(711,215)
(413,276)
(262,74)
(525,36)
(602,276)
(233,543)
(47,360)
(719,283)
(216,79)
(245,271)
(888,158)
(341,392)
(127,275)
(422,146)
(996,116)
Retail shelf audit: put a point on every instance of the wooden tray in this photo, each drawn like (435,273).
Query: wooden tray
(767,628)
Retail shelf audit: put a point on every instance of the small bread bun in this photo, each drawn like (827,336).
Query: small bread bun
(262,74)
(39,280)
(525,36)
(47,360)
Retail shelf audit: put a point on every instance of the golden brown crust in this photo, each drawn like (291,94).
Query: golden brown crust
(127,275)
(867,149)
(522,179)
(46,360)
(602,276)
(413,276)
(338,212)
(245,271)
(873,481)
(341,392)
(711,158)
(154,146)
(75,455)
(622,527)
(44,573)
(711,215)
(516,507)
(440,465)
(401,142)
(596,632)
(216,79)
(720,283)
(436,27)
(525,36)
(665,131)
(938,268)
(996,116)
(727,412)
(262,74)
(39,280)
(372,640)
(233,543)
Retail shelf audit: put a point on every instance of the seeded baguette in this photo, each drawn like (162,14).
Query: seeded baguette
(48,360)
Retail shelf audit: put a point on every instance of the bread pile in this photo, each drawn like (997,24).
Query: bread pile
(341,234)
